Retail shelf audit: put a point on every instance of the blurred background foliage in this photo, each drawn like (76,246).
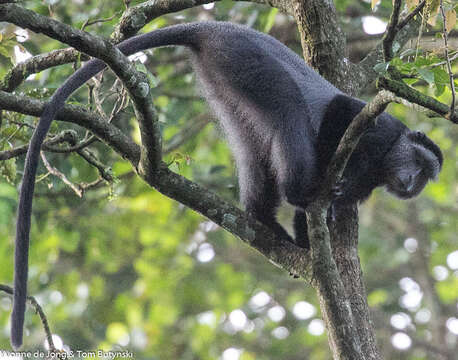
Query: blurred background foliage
(127,268)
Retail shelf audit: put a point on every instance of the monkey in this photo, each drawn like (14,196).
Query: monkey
(283,123)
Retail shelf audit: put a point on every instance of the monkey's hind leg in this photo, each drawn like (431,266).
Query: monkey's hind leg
(259,194)
(300,229)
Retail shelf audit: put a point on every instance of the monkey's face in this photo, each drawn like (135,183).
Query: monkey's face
(409,168)
(407,183)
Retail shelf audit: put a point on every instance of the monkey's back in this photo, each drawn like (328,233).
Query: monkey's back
(256,85)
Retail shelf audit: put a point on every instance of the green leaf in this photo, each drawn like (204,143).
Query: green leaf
(153,82)
(422,61)
(439,90)
(270,21)
(426,75)
(441,76)
(8,170)
(408,52)
(381,68)
(396,47)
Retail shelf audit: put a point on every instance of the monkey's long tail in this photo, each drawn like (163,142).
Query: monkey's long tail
(184,34)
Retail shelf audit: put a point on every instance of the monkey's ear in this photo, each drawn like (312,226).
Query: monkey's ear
(417,136)
(420,138)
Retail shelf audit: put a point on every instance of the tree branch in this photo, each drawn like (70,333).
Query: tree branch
(323,41)
(52,170)
(279,251)
(92,159)
(409,17)
(350,139)
(414,96)
(38,63)
(391,31)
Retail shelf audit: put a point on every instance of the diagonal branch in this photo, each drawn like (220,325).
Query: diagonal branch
(350,139)
(410,16)
(414,96)
(52,170)
(391,31)
(38,63)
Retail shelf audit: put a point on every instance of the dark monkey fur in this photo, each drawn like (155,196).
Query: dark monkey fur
(283,122)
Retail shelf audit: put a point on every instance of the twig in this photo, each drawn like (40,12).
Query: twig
(96,21)
(91,159)
(409,17)
(40,313)
(81,145)
(391,31)
(19,123)
(447,59)
(65,136)
(60,175)
(196,125)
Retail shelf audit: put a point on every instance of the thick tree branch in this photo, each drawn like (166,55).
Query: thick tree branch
(280,251)
(323,42)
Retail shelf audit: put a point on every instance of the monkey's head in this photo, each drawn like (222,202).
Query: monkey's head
(412,161)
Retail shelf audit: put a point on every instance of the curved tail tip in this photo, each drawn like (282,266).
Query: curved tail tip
(16,336)
(16,342)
